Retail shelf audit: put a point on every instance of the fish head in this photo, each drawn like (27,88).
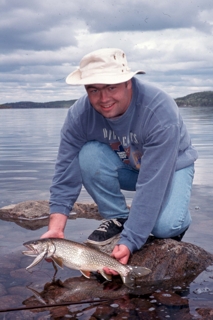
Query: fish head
(36,247)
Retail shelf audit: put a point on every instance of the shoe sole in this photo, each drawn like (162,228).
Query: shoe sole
(101,243)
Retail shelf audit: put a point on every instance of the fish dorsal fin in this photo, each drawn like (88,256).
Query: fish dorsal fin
(58,261)
(108,277)
(86,273)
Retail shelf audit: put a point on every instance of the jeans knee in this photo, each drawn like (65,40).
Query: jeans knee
(161,231)
(90,148)
(166,229)
(88,156)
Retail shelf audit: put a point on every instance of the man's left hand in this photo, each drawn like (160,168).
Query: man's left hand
(120,253)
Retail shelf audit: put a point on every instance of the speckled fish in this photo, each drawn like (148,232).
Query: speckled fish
(81,257)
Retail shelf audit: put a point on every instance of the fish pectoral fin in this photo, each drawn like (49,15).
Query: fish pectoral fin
(86,273)
(37,260)
(108,277)
(37,295)
(58,261)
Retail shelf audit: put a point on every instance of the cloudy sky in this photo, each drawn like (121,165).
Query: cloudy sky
(42,41)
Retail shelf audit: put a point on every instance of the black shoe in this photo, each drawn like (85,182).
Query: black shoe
(180,236)
(106,231)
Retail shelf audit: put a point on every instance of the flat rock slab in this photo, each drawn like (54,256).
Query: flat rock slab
(34,214)
(28,210)
(30,215)
(35,209)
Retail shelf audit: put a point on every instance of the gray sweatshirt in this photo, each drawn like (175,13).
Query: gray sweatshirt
(150,136)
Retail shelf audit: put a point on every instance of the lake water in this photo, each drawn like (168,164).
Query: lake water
(29,141)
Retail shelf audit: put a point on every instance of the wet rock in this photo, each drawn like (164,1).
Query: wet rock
(169,260)
(119,305)
(57,293)
(79,289)
(206,313)
(85,210)
(20,275)
(170,298)
(12,259)
(5,271)
(19,315)
(58,312)
(34,215)
(11,301)
(82,289)
(6,264)
(142,309)
(39,209)
(30,215)
(26,210)
(2,290)
(16,290)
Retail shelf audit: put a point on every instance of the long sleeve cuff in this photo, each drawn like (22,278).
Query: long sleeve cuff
(59,209)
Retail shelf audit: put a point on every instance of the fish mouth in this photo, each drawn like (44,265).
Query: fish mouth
(32,251)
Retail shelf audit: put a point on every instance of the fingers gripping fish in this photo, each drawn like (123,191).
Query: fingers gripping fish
(78,256)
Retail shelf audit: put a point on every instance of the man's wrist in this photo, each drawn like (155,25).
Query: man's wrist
(57,222)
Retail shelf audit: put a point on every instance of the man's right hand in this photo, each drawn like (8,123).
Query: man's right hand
(56,226)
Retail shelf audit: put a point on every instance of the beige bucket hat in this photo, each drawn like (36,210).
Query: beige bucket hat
(107,66)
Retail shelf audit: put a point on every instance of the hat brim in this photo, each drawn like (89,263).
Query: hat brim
(75,79)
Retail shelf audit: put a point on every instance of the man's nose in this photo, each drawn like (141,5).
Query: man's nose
(103,96)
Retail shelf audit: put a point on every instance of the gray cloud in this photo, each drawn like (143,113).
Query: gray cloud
(42,41)
(37,25)
(144,16)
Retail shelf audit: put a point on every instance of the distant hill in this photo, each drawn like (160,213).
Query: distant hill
(198,99)
(29,104)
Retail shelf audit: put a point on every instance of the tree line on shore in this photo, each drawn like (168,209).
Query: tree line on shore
(198,99)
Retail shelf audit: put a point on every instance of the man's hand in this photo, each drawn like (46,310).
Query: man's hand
(56,226)
(120,253)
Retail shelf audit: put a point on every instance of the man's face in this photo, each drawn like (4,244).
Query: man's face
(110,100)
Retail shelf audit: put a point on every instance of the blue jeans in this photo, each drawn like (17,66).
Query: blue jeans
(104,175)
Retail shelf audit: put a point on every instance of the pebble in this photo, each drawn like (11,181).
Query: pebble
(151,309)
(201,290)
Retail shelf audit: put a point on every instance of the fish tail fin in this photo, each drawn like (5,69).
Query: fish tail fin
(128,280)
(134,272)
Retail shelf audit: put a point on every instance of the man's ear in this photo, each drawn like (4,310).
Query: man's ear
(129,84)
